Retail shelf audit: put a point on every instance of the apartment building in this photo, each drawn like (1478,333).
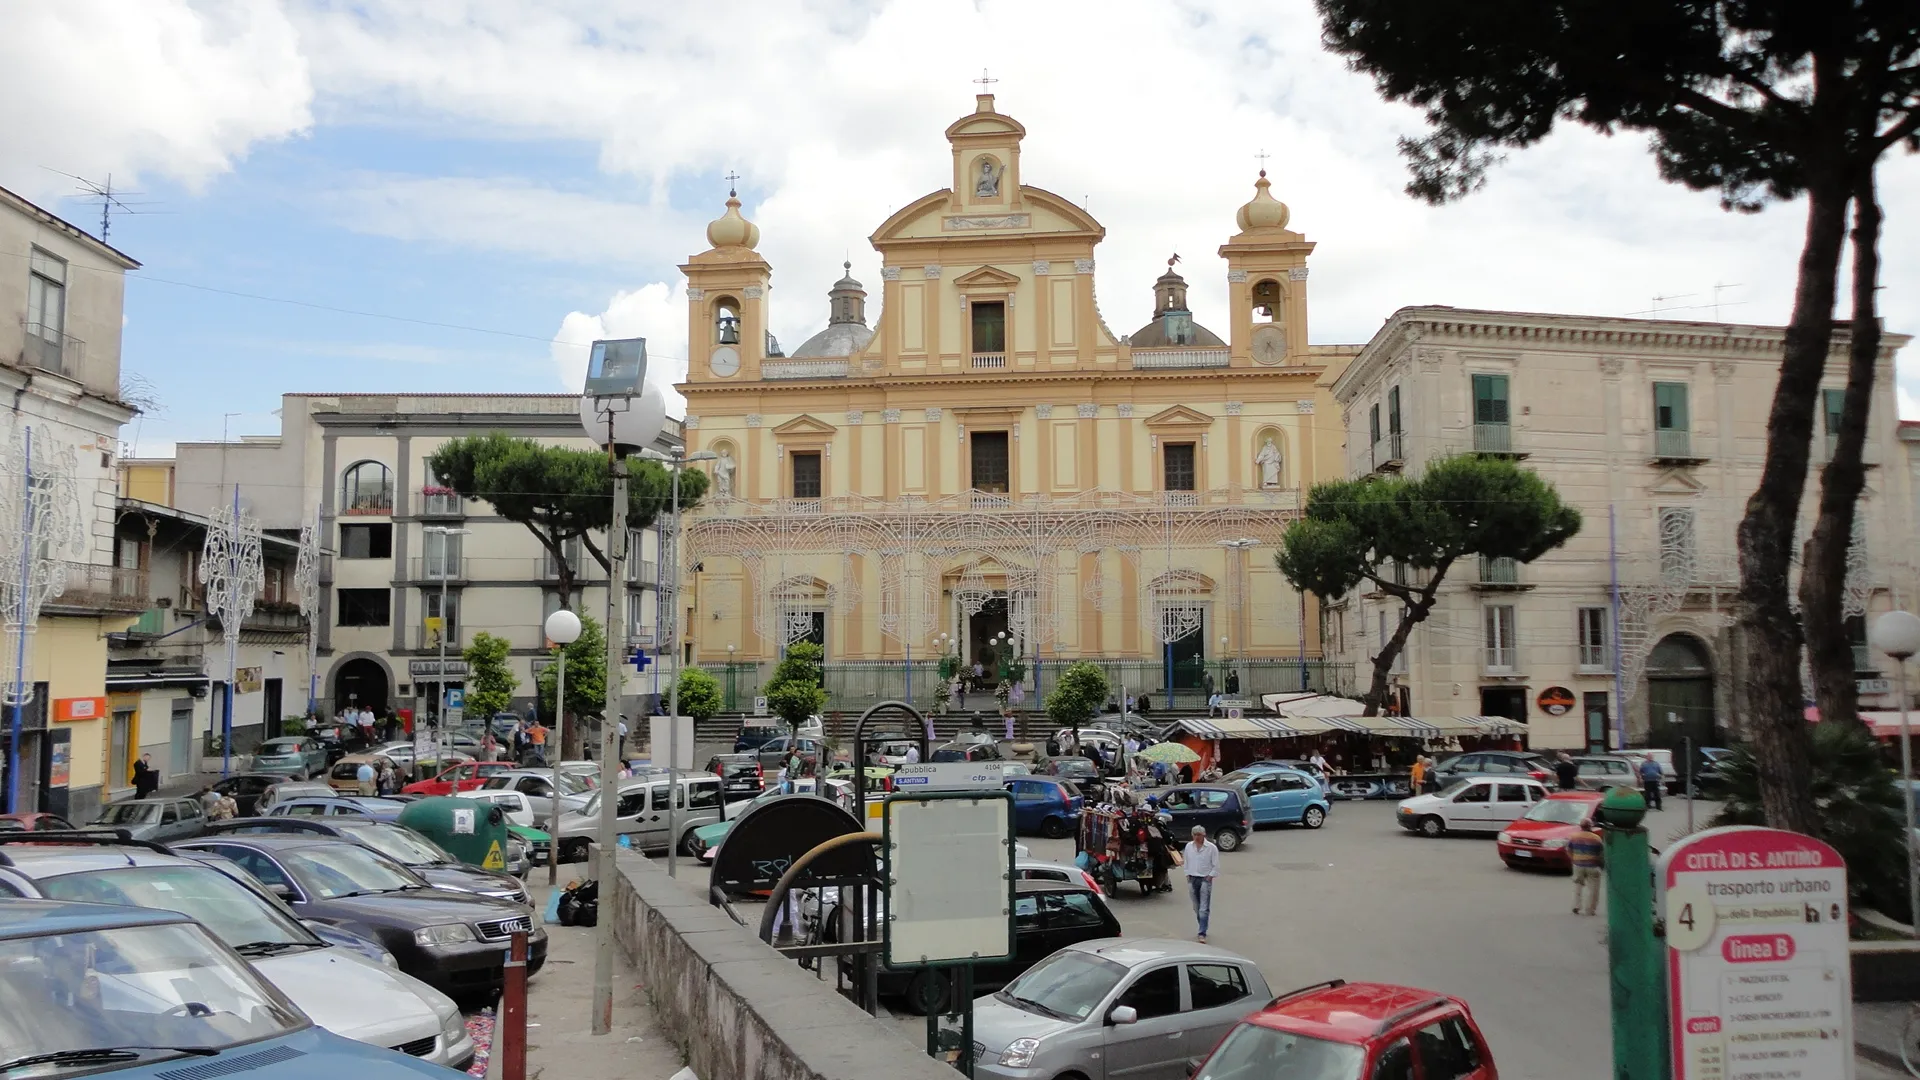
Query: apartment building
(1656,431)
(401,556)
(62,292)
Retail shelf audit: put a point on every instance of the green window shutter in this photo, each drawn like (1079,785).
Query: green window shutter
(1373,423)
(1670,407)
(1833,403)
(1489,399)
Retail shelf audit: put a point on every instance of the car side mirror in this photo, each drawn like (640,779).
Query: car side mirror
(1123,1014)
(281,889)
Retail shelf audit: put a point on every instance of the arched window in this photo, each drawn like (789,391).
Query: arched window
(366,488)
(1266,300)
(726,322)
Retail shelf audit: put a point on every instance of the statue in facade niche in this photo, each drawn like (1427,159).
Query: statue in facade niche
(1269,461)
(989,183)
(723,475)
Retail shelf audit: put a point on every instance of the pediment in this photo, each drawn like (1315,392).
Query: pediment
(1676,482)
(1041,212)
(986,123)
(1179,416)
(805,425)
(986,276)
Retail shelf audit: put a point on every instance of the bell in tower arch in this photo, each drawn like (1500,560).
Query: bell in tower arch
(1266,298)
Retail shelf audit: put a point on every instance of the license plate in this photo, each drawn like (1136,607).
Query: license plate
(1524,854)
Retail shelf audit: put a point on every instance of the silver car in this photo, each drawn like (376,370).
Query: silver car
(537,786)
(642,814)
(1133,1008)
(159,820)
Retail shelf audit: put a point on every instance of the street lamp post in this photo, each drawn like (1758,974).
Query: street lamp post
(1897,633)
(731,705)
(1238,568)
(676,461)
(563,629)
(443,573)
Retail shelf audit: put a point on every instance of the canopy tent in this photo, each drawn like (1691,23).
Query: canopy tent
(1312,705)
(1281,727)
(1883,724)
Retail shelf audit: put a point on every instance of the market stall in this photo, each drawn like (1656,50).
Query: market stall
(1368,756)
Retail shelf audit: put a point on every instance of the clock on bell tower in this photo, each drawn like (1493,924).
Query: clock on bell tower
(727,300)
(1266,284)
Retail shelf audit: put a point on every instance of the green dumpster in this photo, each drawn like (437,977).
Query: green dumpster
(473,832)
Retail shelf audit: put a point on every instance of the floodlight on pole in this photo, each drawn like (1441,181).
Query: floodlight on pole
(1897,633)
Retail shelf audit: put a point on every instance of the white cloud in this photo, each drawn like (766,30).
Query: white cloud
(657,312)
(169,87)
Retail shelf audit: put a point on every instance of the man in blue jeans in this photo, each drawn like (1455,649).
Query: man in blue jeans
(1202,862)
(1651,782)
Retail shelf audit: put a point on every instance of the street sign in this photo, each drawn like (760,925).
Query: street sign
(1872,686)
(640,660)
(949,775)
(1555,701)
(1759,977)
(760,705)
(1235,712)
(456,698)
(949,867)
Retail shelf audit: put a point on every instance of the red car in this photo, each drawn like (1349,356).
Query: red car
(1354,1031)
(1540,837)
(33,822)
(464,777)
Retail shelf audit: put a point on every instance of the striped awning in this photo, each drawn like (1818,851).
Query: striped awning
(1253,727)
(1409,727)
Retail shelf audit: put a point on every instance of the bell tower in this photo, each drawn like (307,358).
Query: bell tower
(1266,284)
(727,301)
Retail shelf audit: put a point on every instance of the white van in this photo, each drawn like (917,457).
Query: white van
(642,813)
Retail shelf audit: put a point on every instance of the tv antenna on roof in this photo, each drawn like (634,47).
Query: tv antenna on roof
(108,198)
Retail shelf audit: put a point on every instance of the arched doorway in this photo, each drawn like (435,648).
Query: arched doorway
(362,683)
(1680,693)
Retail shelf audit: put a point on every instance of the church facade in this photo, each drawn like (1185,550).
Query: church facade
(988,470)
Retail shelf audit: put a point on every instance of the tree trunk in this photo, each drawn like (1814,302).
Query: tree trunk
(1414,611)
(1823,571)
(1781,740)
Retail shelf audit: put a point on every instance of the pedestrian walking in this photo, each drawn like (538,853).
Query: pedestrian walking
(1417,775)
(1202,863)
(146,779)
(1651,781)
(537,742)
(1432,778)
(1588,855)
(623,739)
(1567,770)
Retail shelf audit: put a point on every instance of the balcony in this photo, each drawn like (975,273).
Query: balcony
(643,572)
(1501,659)
(369,500)
(989,500)
(1388,453)
(1863,660)
(268,616)
(1674,446)
(1499,575)
(547,568)
(1494,439)
(437,568)
(1180,500)
(1144,359)
(989,360)
(803,369)
(48,349)
(94,588)
(427,640)
(441,502)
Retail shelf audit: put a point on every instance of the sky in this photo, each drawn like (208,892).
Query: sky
(458,195)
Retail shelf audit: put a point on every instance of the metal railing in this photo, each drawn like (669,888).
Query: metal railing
(547,568)
(803,369)
(1179,358)
(50,349)
(94,587)
(370,500)
(1183,500)
(1387,450)
(1501,658)
(989,360)
(1499,571)
(1493,438)
(989,500)
(438,567)
(1671,443)
(643,572)
(441,503)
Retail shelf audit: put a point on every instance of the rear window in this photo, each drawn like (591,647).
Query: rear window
(346,770)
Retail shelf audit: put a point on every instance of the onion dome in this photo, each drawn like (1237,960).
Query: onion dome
(732,230)
(1265,211)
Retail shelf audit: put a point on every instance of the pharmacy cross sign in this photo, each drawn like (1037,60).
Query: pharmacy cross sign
(640,660)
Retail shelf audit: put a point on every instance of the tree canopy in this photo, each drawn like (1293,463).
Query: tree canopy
(1370,530)
(490,681)
(699,694)
(1077,695)
(559,493)
(794,693)
(586,661)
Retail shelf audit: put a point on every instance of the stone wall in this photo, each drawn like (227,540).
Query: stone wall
(739,1009)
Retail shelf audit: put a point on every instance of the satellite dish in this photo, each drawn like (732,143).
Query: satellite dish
(636,421)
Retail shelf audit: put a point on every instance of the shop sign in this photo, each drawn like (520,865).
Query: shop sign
(1759,976)
(1555,701)
(435,669)
(246,680)
(67,710)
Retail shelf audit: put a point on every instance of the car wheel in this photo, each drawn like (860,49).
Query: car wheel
(928,993)
(1314,817)
(1227,839)
(1431,825)
(690,845)
(1053,828)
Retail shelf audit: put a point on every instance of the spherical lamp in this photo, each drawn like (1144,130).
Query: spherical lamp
(563,627)
(1896,633)
(637,420)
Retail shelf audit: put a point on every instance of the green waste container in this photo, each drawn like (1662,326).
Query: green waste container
(473,832)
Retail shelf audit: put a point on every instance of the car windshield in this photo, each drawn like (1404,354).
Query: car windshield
(134,986)
(241,917)
(1253,1052)
(403,846)
(128,813)
(573,785)
(1561,811)
(334,870)
(1455,788)
(1069,984)
(1073,766)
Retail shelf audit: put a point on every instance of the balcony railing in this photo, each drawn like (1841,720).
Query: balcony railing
(989,360)
(93,587)
(370,500)
(643,572)
(1863,659)
(426,640)
(1388,452)
(1493,438)
(51,350)
(1499,571)
(1673,444)
(439,568)
(989,500)
(440,502)
(548,568)
(1183,500)
(1500,659)
(803,369)
(1178,358)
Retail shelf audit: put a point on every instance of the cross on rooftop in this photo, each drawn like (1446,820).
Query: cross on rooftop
(730,178)
(984,81)
(1262,157)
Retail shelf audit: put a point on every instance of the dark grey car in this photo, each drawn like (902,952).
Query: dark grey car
(159,820)
(1495,764)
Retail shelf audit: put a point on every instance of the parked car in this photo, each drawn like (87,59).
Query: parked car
(1136,1007)
(1598,772)
(1540,837)
(1028,868)
(175,993)
(1287,797)
(1347,1030)
(757,732)
(537,785)
(341,992)
(34,822)
(1707,781)
(706,839)
(246,788)
(1224,810)
(155,819)
(463,777)
(367,806)
(774,752)
(344,777)
(291,755)
(642,814)
(1046,805)
(1476,805)
(966,751)
(1084,774)
(1669,776)
(396,842)
(741,774)
(1295,764)
(288,789)
(450,940)
(537,842)
(894,753)
(1494,763)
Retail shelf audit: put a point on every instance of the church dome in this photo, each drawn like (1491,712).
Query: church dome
(1265,211)
(847,332)
(732,230)
(1172,326)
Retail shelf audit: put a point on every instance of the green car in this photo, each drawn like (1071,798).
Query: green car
(539,844)
(706,838)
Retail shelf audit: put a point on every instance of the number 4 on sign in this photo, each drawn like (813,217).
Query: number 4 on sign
(641,660)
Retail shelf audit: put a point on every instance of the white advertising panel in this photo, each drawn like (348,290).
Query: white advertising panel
(950,867)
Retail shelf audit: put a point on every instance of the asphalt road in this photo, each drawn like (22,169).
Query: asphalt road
(1361,899)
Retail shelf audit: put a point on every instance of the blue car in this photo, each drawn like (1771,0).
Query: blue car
(1046,805)
(1285,797)
(140,992)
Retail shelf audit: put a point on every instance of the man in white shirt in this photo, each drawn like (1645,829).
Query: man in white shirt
(913,753)
(1202,866)
(1319,761)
